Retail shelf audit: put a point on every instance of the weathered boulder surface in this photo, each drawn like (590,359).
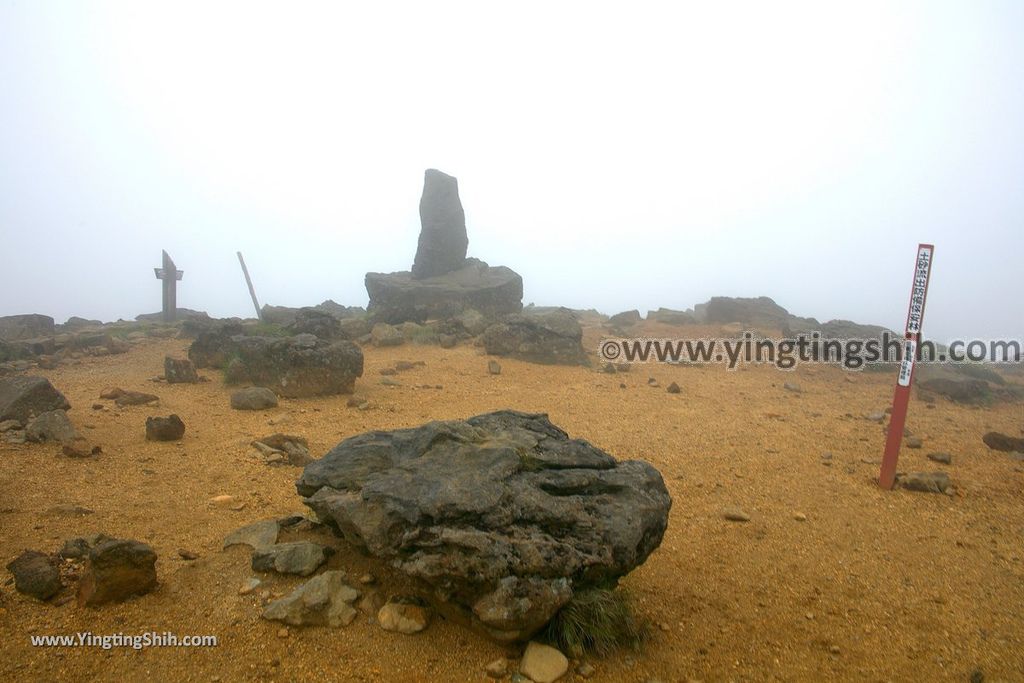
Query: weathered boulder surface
(552,338)
(1002,442)
(170,428)
(53,425)
(443,239)
(253,398)
(398,297)
(179,371)
(213,347)
(23,396)
(116,570)
(669,316)
(749,311)
(28,326)
(502,516)
(35,574)
(317,323)
(299,366)
(324,600)
(625,318)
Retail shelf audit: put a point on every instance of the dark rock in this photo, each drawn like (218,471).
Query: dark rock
(179,371)
(299,366)
(169,428)
(215,346)
(28,326)
(749,311)
(961,391)
(502,515)
(667,316)
(35,574)
(135,398)
(925,482)
(944,458)
(317,323)
(116,570)
(77,323)
(53,425)
(443,239)
(253,398)
(1002,442)
(78,548)
(302,558)
(340,312)
(625,319)
(553,338)
(447,341)
(491,291)
(387,335)
(354,328)
(673,388)
(22,397)
(324,600)
(277,315)
(180,314)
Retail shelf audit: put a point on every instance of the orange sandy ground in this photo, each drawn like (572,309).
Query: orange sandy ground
(908,586)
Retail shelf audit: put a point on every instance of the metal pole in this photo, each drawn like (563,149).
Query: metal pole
(252,292)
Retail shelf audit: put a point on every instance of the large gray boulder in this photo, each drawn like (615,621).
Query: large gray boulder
(213,347)
(298,366)
(399,297)
(443,240)
(500,517)
(21,397)
(28,326)
(551,338)
(749,311)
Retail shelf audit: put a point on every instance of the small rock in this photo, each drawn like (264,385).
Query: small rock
(135,398)
(543,663)
(800,517)
(282,633)
(324,600)
(367,579)
(255,535)
(914,442)
(403,616)
(875,417)
(111,393)
(249,586)
(673,388)
(80,448)
(302,558)
(187,555)
(179,371)
(925,482)
(69,510)
(497,668)
(388,382)
(834,649)
(253,398)
(792,386)
(736,515)
(493,367)
(388,371)
(944,458)
(169,428)
(586,670)
(116,570)
(35,574)
(53,425)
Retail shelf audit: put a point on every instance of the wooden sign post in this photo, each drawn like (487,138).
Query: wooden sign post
(170,276)
(911,341)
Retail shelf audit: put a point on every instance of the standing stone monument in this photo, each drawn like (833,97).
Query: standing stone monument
(443,282)
(170,276)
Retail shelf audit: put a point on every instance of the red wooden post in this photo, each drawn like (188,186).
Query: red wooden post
(911,341)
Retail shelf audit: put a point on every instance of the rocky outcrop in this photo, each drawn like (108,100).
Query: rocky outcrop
(299,366)
(443,240)
(212,348)
(669,316)
(749,311)
(28,326)
(179,371)
(550,338)
(501,517)
(491,291)
(22,397)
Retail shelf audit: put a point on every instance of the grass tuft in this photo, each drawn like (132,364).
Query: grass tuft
(598,621)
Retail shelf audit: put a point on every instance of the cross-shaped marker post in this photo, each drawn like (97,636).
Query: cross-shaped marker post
(170,276)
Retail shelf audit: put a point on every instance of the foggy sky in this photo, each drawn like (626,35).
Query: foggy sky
(622,156)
